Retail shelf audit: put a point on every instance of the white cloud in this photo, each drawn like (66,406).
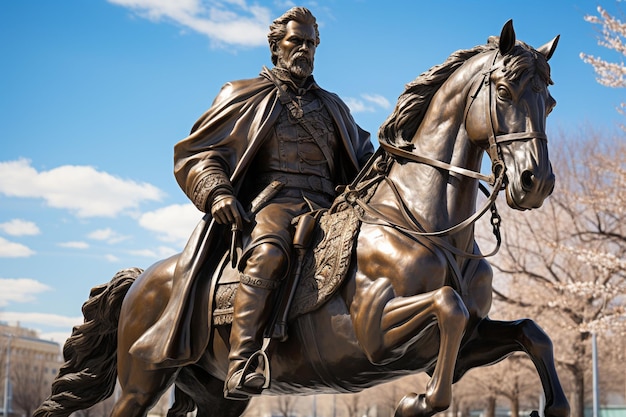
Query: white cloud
(49,320)
(161,252)
(172,223)
(10,249)
(74,245)
(224,22)
(19,290)
(19,227)
(377,99)
(367,103)
(358,106)
(82,190)
(59,337)
(108,235)
(111,258)
(288,4)
(146,253)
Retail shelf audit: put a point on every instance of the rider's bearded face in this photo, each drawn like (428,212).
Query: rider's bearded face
(296,51)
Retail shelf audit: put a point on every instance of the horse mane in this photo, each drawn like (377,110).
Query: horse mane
(403,122)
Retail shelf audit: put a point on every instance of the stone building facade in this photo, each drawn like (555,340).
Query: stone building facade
(33,364)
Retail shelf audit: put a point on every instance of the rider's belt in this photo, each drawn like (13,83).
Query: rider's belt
(302,182)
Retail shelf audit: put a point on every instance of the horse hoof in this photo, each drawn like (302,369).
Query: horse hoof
(561,410)
(413,405)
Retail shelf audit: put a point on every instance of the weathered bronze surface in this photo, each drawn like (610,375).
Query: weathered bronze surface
(417,290)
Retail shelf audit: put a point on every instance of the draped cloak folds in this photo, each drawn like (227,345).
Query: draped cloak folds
(233,129)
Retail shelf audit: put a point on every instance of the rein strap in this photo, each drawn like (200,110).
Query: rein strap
(490,179)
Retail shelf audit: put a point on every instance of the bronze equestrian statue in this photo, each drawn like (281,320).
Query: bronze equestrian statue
(410,290)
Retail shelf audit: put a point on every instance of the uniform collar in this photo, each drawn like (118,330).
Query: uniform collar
(285,78)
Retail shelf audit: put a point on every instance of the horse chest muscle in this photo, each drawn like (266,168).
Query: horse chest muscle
(411,267)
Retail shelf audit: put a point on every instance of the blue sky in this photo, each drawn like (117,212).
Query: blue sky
(94,95)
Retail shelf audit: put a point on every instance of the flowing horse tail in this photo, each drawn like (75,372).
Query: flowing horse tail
(90,370)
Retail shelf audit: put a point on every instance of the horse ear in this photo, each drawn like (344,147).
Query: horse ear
(507,38)
(548,49)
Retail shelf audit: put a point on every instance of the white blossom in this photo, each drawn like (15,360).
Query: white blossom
(612,36)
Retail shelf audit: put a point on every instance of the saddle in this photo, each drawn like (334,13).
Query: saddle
(324,267)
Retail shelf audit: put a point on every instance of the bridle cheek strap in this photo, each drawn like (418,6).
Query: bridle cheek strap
(495,138)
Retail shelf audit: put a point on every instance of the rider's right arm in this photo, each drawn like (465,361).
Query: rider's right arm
(213,183)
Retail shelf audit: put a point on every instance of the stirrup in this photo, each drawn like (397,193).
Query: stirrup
(244,382)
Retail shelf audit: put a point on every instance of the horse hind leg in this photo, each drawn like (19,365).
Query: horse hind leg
(495,340)
(142,391)
(386,325)
(141,384)
(183,404)
(196,386)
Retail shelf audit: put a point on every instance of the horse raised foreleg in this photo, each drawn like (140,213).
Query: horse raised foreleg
(493,341)
(387,326)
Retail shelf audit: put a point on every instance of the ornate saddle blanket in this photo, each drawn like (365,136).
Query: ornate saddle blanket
(323,270)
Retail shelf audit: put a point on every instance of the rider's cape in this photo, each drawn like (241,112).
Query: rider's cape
(233,129)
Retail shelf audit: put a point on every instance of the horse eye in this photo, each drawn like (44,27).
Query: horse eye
(504,93)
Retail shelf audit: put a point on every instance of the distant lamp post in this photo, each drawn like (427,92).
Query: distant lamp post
(596,384)
(7,379)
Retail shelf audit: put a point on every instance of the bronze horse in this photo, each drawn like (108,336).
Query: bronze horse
(418,290)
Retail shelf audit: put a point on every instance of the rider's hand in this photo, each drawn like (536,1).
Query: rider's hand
(226,209)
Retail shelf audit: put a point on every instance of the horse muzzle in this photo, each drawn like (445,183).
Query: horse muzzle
(529,179)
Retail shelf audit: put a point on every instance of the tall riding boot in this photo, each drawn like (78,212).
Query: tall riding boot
(252,309)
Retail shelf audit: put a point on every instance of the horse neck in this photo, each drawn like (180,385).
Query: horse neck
(436,196)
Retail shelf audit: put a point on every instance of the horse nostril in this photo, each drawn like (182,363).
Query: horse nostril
(528,180)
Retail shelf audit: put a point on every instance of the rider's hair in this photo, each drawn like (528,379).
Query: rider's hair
(278,28)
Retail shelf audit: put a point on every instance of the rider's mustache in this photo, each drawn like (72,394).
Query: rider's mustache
(303,56)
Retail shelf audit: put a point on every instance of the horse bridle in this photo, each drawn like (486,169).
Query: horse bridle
(495,138)
(496,179)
